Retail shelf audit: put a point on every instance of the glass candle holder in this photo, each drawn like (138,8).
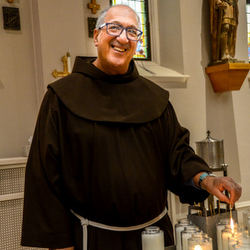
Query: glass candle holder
(226,234)
(219,227)
(197,247)
(179,227)
(248,224)
(246,214)
(200,240)
(244,243)
(236,237)
(152,238)
(186,234)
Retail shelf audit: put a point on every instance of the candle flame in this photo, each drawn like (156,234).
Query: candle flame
(197,247)
(232,224)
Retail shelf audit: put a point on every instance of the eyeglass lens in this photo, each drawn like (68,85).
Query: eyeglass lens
(116,30)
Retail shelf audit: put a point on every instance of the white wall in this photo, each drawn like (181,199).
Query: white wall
(18,96)
(241,106)
(61,26)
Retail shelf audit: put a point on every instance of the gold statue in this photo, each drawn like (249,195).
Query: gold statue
(66,67)
(223,27)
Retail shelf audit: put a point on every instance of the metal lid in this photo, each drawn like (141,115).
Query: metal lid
(151,230)
(209,139)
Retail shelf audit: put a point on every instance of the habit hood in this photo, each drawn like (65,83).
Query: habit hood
(92,94)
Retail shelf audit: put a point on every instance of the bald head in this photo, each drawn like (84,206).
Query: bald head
(120,7)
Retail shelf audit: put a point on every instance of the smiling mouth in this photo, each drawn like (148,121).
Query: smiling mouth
(118,49)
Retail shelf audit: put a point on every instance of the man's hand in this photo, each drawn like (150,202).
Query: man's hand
(216,186)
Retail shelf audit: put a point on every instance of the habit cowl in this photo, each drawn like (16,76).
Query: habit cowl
(109,148)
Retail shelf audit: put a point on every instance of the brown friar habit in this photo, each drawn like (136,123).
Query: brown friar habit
(109,148)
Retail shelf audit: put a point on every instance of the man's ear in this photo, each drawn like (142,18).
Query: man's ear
(96,34)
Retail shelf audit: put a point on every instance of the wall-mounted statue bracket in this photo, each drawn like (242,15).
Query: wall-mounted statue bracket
(228,76)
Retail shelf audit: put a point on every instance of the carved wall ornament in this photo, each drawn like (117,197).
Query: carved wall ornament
(93,6)
(91,26)
(11,18)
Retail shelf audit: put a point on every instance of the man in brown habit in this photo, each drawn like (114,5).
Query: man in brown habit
(107,148)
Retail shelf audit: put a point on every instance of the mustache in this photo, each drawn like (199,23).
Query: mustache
(117,44)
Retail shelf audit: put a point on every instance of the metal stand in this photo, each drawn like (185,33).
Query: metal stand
(205,219)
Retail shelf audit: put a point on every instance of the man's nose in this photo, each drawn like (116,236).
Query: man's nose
(123,37)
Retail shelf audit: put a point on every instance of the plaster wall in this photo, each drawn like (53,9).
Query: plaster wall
(18,95)
(241,106)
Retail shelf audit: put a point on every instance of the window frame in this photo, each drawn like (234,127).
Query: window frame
(147,27)
(248,27)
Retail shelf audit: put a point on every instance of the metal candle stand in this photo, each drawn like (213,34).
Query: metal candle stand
(207,222)
(205,219)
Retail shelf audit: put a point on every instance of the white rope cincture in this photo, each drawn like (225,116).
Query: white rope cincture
(86,222)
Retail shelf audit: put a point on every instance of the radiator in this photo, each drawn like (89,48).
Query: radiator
(12,171)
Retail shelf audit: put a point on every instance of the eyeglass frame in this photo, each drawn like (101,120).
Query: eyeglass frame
(123,28)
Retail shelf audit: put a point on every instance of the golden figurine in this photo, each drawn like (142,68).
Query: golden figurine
(66,67)
(223,27)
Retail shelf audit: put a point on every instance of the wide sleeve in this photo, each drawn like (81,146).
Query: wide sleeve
(46,219)
(182,163)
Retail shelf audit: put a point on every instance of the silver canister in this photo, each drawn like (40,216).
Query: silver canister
(211,150)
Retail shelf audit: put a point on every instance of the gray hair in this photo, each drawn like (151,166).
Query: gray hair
(102,16)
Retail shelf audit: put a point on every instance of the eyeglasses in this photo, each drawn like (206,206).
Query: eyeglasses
(114,29)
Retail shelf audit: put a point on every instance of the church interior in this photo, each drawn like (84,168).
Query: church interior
(53,33)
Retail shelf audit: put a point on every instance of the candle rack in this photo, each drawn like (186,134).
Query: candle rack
(206,220)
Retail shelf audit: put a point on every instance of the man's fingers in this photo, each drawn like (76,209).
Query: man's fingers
(217,186)
(234,189)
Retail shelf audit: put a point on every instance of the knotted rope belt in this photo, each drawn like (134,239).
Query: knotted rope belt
(86,222)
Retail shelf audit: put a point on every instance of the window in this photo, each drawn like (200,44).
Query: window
(248,27)
(143,51)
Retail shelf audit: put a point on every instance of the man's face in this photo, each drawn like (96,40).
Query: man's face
(115,53)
